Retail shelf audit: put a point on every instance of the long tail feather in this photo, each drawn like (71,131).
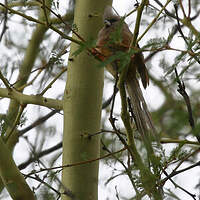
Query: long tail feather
(143,118)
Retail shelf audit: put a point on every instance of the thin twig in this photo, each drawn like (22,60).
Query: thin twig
(16,122)
(189,8)
(191,53)
(78,163)
(37,178)
(5,81)
(127,170)
(186,158)
(174,173)
(166,11)
(22,15)
(5,21)
(115,90)
(137,23)
(109,100)
(183,93)
(177,141)
(45,12)
(182,8)
(37,122)
(153,22)
(181,188)
(178,23)
(42,23)
(93,51)
(53,81)
(59,17)
(39,155)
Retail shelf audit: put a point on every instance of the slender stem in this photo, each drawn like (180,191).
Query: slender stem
(189,8)
(5,81)
(16,123)
(53,81)
(45,12)
(182,8)
(30,82)
(138,20)
(177,141)
(42,23)
(154,20)
(78,163)
(174,173)
(22,15)
(187,22)
(59,17)
(186,158)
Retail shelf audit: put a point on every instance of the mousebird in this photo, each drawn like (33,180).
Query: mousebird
(115,37)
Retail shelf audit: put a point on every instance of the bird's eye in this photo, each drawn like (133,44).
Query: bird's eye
(107,23)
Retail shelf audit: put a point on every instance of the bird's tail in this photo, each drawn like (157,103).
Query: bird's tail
(142,116)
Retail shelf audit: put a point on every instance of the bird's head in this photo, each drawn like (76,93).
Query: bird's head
(109,17)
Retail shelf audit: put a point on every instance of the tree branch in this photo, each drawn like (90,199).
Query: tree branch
(11,176)
(31,99)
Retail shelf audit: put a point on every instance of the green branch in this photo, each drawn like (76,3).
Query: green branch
(21,4)
(11,176)
(23,15)
(177,141)
(187,22)
(154,20)
(138,20)
(29,18)
(53,81)
(148,179)
(16,122)
(5,81)
(31,99)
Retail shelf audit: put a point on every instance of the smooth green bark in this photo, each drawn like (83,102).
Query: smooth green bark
(11,176)
(24,73)
(31,99)
(82,107)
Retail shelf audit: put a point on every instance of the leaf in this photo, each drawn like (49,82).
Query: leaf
(83,46)
(156,43)
(120,58)
(180,58)
(116,36)
(177,152)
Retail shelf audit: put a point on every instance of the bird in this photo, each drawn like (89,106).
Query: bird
(114,38)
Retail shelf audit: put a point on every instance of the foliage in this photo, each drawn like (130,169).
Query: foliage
(170,44)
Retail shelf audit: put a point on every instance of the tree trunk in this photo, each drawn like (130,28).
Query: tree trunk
(82,107)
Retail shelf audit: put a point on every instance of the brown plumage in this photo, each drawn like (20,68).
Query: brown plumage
(115,36)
